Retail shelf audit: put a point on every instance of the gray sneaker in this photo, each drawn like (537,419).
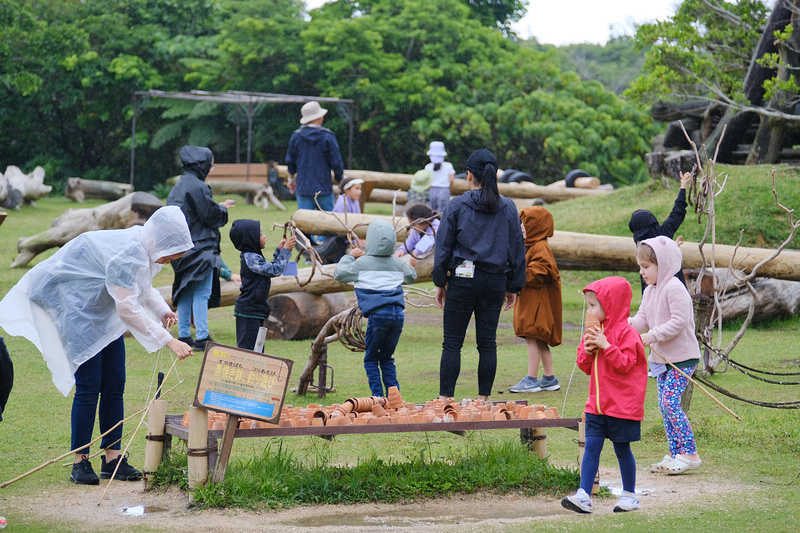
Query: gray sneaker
(549,383)
(528,384)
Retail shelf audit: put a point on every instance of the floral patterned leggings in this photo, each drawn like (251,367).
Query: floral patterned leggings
(671,385)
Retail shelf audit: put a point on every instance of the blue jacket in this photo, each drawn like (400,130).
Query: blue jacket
(378,276)
(491,239)
(313,153)
(256,272)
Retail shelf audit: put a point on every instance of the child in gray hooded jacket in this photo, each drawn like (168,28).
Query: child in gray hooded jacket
(378,277)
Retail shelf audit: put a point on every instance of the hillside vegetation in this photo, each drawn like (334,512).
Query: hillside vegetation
(745,203)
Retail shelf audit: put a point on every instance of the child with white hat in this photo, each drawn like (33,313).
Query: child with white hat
(443,176)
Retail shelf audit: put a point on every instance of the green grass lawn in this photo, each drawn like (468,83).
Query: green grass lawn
(760,452)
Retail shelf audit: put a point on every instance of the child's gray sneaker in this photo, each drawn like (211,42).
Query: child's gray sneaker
(627,502)
(528,384)
(549,383)
(580,502)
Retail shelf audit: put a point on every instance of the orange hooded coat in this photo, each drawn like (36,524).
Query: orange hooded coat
(538,310)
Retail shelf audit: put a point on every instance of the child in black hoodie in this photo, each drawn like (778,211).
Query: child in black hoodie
(251,309)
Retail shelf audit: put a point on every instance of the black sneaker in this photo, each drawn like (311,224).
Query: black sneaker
(187,340)
(83,473)
(200,344)
(125,472)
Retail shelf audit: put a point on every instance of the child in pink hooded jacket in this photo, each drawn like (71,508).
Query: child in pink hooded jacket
(666,322)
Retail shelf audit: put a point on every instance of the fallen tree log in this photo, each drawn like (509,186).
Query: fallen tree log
(386,196)
(320,284)
(29,187)
(313,222)
(394,181)
(573,251)
(776,297)
(79,189)
(130,210)
(581,251)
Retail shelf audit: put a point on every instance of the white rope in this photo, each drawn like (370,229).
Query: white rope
(575,365)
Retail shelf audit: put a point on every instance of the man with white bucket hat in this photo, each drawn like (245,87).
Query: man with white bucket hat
(312,155)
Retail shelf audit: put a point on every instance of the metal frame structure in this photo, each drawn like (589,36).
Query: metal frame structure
(251,103)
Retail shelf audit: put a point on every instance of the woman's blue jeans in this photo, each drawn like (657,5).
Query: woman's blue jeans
(103,377)
(482,295)
(194,302)
(384,327)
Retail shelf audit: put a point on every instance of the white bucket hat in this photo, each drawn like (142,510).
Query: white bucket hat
(311,111)
(437,148)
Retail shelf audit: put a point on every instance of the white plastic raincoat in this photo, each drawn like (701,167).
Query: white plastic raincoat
(87,294)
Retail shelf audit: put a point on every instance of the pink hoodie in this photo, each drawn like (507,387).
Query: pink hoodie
(667,313)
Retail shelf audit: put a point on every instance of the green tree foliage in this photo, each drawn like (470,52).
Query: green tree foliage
(91,56)
(615,64)
(700,51)
(423,70)
(418,70)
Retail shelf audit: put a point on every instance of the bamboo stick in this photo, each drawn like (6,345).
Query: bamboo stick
(73,452)
(144,415)
(737,417)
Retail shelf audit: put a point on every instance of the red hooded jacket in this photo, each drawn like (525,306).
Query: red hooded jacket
(619,373)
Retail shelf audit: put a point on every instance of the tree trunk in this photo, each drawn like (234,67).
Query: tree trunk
(771,133)
(300,315)
(30,187)
(131,210)
(79,189)
(737,122)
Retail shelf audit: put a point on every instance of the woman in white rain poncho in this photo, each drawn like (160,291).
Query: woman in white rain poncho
(76,305)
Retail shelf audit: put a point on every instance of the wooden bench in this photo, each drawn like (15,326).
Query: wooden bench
(532,432)
(257,172)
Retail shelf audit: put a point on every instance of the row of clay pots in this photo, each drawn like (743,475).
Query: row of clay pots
(433,411)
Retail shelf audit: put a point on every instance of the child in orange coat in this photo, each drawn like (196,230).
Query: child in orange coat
(537,315)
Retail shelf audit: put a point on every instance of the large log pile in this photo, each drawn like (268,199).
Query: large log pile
(130,210)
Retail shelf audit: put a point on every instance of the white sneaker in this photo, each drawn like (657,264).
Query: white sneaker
(580,502)
(627,502)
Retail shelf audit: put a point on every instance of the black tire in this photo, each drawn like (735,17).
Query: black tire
(507,174)
(519,177)
(573,174)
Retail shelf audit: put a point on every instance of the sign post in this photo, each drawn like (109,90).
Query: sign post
(242,383)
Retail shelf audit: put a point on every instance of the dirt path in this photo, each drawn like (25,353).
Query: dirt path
(170,511)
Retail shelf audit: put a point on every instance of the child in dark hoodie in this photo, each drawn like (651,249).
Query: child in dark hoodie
(251,309)
(612,355)
(644,224)
(378,277)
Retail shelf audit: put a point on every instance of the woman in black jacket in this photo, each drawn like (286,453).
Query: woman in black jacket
(479,263)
